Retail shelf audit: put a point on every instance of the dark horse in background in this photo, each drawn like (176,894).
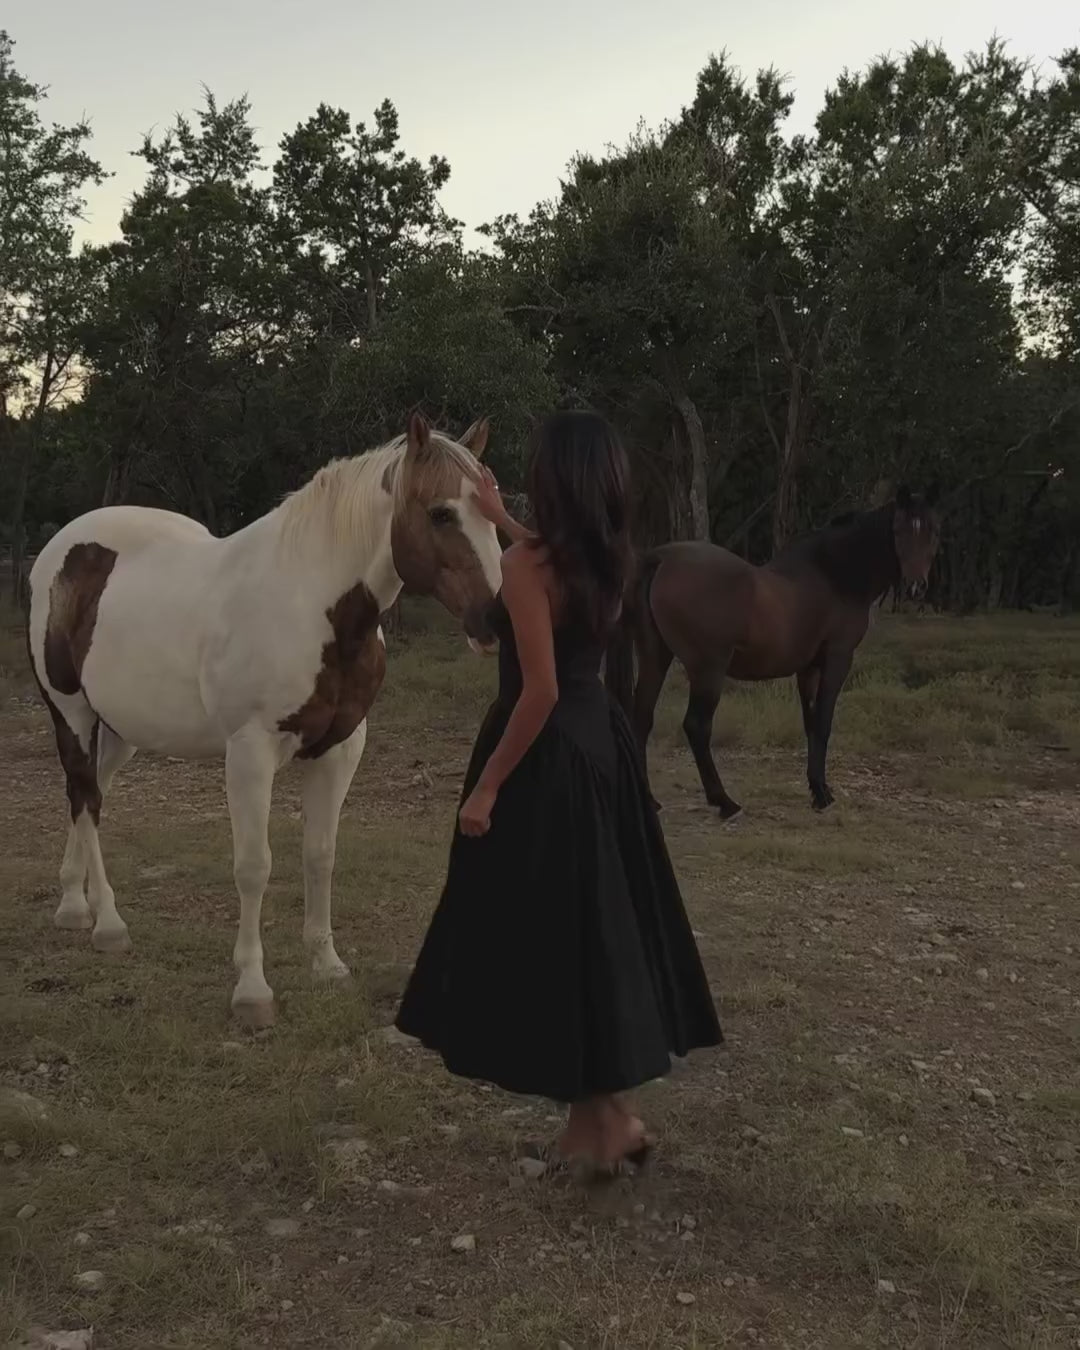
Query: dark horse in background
(802,614)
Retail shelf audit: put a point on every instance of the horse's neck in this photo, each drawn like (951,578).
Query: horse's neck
(864,557)
(313,563)
(880,556)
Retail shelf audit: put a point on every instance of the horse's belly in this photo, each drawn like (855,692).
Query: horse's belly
(141,674)
(754,663)
(783,631)
(151,707)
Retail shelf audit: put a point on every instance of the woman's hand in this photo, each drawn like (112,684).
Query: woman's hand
(488,500)
(475,814)
(490,505)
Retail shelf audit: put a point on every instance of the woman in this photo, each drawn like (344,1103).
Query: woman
(560,962)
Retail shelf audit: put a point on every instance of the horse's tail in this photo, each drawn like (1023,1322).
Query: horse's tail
(625,637)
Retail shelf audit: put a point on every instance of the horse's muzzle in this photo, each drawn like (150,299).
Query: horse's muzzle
(478,629)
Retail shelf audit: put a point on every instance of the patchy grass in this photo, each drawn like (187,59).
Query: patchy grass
(828,1180)
(945,688)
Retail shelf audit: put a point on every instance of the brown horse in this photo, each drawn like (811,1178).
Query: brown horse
(802,614)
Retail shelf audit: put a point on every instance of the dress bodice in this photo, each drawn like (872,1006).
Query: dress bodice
(578,654)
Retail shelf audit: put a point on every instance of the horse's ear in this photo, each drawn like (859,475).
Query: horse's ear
(476,438)
(418,434)
(903,498)
(881,493)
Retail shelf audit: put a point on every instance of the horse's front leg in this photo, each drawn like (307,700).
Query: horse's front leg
(705,687)
(250,764)
(808,681)
(326,781)
(834,671)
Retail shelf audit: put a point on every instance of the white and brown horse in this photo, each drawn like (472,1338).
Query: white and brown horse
(147,632)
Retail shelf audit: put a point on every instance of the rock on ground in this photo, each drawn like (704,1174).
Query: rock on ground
(40,1339)
(16,1105)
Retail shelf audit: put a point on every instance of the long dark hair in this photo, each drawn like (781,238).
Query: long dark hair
(579,486)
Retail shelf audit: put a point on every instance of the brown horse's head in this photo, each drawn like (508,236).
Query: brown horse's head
(442,545)
(916,532)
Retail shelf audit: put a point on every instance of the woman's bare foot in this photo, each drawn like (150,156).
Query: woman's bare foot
(620,1133)
(579,1138)
(602,1131)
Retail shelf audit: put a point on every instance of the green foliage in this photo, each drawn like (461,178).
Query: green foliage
(782,327)
(358,209)
(45,289)
(43,171)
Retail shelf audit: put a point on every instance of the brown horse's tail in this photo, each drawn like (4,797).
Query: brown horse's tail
(625,637)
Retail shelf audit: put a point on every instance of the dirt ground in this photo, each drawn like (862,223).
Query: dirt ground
(885,1153)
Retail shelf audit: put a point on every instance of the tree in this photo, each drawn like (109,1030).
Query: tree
(1050,172)
(642,279)
(905,215)
(1051,178)
(194,305)
(779,328)
(633,286)
(356,207)
(43,287)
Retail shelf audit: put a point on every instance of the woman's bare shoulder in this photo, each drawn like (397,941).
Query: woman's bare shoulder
(525,559)
(527,572)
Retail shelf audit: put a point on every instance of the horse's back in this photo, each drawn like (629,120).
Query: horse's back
(121,529)
(699,596)
(709,604)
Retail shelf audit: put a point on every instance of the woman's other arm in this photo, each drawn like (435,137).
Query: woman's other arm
(528,603)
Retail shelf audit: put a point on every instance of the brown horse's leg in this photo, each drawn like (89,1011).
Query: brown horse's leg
(698,723)
(654,662)
(808,681)
(834,672)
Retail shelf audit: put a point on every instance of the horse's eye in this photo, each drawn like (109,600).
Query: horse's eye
(442,515)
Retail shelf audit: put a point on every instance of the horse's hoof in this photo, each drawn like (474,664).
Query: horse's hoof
(255,1014)
(112,940)
(728,810)
(823,803)
(73,920)
(331,976)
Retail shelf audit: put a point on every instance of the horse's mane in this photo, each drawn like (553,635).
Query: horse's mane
(338,504)
(846,549)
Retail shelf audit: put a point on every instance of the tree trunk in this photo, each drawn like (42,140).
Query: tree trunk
(18,525)
(994,585)
(372,299)
(118,479)
(1070,579)
(699,466)
(676,495)
(789,460)
(7,457)
(789,448)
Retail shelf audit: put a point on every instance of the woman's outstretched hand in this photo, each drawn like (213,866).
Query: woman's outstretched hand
(489,501)
(475,814)
(490,505)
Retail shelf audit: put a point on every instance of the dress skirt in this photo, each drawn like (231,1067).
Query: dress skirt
(560,961)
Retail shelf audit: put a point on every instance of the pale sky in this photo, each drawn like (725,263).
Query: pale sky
(506,91)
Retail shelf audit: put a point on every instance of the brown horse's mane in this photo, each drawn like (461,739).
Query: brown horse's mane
(855,552)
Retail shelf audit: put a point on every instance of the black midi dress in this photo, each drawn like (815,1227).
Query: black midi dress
(560,962)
